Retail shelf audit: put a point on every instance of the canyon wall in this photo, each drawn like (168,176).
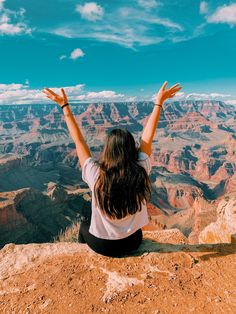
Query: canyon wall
(193,159)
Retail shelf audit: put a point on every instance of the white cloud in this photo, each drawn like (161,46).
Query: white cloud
(10,29)
(203,7)
(90,11)
(13,86)
(217,95)
(231,102)
(77,53)
(120,35)
(131,99)
(74,90)
(197,32)
(224,14)
(164,22)
(148,4)
(104,94)
(202,96)
(132,15)
(12,22)
(22,94)
(62,57)
(182,96)
(126,26)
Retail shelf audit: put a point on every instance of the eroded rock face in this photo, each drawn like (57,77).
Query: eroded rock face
(188,139)
(224,228)
(57,193)
(203,213)
(28,215)
(190,221)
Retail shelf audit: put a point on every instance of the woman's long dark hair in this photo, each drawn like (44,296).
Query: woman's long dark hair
(122,184)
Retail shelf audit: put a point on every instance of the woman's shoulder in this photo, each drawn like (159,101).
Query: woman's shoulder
(142,155)
(90,171)
(144,161)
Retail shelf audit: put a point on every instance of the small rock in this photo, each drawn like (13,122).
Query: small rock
(197,275)
(218,299)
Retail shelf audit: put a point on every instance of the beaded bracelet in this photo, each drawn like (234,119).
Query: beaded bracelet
(64,105)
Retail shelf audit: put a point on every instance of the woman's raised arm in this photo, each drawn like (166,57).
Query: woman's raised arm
(151,125)
(82,148)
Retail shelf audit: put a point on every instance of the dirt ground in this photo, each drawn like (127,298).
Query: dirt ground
(160,278)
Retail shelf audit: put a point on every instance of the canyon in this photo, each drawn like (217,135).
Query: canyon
(41,189)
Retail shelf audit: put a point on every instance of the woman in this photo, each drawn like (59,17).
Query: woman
(119,181)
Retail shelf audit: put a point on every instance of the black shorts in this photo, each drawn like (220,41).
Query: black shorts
(112,248)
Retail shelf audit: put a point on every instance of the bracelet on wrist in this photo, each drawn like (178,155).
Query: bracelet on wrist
(158,105)
(64,105)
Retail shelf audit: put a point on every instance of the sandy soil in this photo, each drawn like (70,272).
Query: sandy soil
(158,278)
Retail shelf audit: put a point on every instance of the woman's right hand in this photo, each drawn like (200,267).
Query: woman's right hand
(164,94)
(60,99)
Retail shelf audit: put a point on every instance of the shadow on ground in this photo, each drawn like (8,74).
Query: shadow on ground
(215,250)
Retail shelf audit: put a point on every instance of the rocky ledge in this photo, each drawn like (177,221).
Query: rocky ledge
(224,228)
(166,274)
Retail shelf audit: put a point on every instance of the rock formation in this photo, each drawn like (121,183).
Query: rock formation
(28,215)
(225,226)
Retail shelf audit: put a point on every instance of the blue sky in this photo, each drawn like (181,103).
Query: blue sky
(117,50)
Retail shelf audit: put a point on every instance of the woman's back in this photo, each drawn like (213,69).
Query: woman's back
(103,226)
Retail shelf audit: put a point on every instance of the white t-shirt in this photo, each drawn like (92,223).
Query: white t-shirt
(102,226)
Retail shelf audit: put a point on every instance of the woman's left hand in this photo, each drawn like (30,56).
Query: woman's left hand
(60,99)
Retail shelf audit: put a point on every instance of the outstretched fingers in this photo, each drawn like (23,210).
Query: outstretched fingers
(176,89)
(50,94)
(51,91)
(164,85)
(63,93)
(48,91)
(173,92)
(175,86)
